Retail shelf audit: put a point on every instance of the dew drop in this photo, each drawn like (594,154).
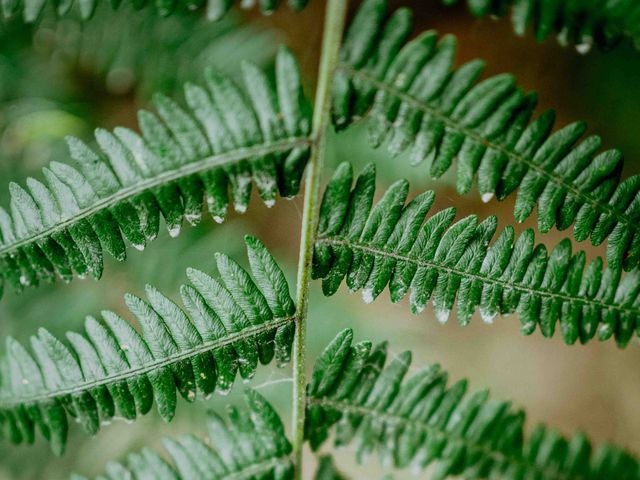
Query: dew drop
(442,315)
(174,231)
(486,197)
(584,47)
(367,295)
(487,316)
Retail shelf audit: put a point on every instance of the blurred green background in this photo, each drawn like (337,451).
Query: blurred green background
(63,77)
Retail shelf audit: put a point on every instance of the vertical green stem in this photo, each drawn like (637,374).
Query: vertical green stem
(332,36)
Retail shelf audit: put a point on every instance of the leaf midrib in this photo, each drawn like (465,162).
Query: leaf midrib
(496,455)
(475,276)
(468,132)
(164,178)
(262,467)
(7,401)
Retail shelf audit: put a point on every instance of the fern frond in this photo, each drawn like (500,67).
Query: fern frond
(31,10)
(420,421)
(226,139)
(453,263)
(250,444)
(233,324)
(411,96)
(583,23)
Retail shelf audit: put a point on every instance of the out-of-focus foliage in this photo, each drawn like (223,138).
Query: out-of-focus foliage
(327,469)
(579,22)
(64,77)
(30,10)
(150,54)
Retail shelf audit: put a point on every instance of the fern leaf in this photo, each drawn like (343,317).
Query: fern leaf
(465,263)
(420,421)
(232,325)
(582,23)
(251,443)
(222,142)
(412,97)
(31,10)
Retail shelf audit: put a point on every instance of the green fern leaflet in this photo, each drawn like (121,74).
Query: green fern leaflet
(420,421)
(233,324)
(413,98)
(227,139)
(250,444)
(457,264)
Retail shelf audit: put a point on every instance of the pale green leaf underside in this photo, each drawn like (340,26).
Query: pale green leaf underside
(582,23)
(412,97)
(250,444)
(227,139)
(416,421)
(465,265)
(230,326)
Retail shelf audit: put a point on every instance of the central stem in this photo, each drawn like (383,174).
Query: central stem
(332,36)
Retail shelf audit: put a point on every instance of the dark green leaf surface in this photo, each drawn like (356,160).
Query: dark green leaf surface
(465,264)
(250,444)
(582,23)
(227,326)
(416,101)
(226,139)
(327,469)
(420,420)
